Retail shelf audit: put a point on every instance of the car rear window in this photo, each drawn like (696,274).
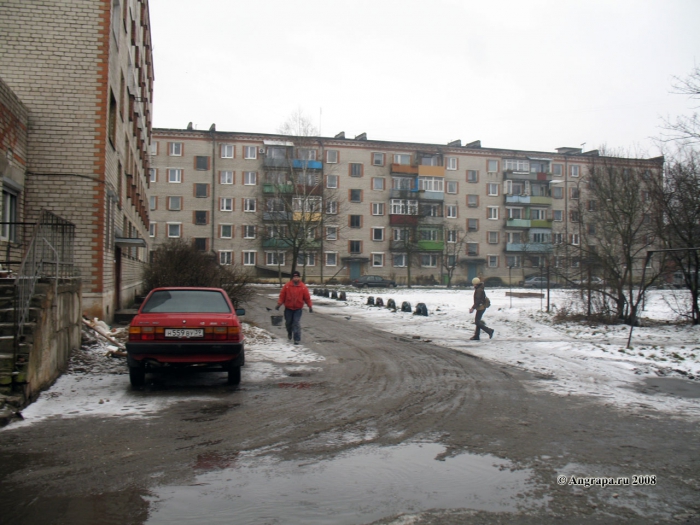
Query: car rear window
(186,301)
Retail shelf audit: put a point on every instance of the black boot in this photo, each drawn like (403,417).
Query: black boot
(474,338)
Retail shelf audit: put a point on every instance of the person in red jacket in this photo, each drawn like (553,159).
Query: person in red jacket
(293,296)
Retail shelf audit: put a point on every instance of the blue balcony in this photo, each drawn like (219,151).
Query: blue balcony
(530,247)
(300,164)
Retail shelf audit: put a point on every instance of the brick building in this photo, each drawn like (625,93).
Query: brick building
(368,207)
(83,69)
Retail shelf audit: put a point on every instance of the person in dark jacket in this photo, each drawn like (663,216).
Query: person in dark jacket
(293,296)
(480,307)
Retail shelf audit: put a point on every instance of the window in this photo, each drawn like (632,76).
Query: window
(452,211)
(152,202)
(400,234)
(112,119)
(331,181)
(175,149)
(249,258)
(153,150)
(174,203)
(558,215)
(403,207)
(575,239)
(514,237)
(538,214)
(249,205)
(356,221)
(517,165)
(592,205)
(174,229)
(152,229)
(307,154)
(377,260)
(355,169)
(274,258)
(430,210)
(575,193)
(250,178)
(201,217)
(492,189)
(400,260)
(472,249)
(225,258)
(451,186)
(558,238)
(513,261)
(574,216)
(472,176)
(431,183)
(541,237)
(378,183)
(306,259)
(250,152)
(377,208)
(514,187)
(355,247)
(355,195)
(451,236)
(226,177)
(332,207)
(493,261)
(430,235)
(227,151)
(377,159)
(557,192)
(332,156)
(493,237)
(451,163)
(377,234)
(201,190)
(174,175)
(201,163)
(306,204)
(557,170)
(402,183)
(591,229)
(473,201)
(428,260)
(492,166)
(472,225)
(514,213)
(402,158)
(492,213)
(153,175)
(226,204)
(575,170)
(331,258)
(9,215)
(200,244)
(332,233)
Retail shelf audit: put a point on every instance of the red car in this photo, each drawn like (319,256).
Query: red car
(180,327)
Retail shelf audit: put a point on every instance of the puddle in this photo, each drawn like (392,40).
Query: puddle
(670,385)
(361,486)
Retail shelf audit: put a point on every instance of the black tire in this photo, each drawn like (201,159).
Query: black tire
(234,375)
(137,376)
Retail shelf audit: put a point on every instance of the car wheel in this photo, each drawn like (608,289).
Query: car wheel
(137,376)
(234,375)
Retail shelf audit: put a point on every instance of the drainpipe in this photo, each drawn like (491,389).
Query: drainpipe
(212,131)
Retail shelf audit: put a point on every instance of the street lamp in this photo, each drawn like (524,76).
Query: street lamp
(510,283)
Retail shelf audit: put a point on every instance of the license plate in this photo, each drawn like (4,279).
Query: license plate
(184,333)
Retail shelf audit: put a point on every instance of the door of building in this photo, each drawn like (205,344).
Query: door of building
(354,270)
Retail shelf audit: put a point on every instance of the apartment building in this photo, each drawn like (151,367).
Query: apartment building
(84,71)
(366,207)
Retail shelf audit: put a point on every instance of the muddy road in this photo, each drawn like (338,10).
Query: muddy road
(396,425)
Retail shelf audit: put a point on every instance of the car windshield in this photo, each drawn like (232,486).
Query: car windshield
(186,301)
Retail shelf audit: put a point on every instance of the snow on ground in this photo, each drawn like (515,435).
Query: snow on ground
(566,358)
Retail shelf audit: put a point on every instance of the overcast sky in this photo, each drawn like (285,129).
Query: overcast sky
(521,74)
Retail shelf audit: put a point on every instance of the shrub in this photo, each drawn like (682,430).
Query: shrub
(179,263)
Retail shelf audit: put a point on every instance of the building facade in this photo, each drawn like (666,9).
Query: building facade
(341,207)
(84,71)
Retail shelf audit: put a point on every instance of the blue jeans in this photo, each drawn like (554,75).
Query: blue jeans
(292,320)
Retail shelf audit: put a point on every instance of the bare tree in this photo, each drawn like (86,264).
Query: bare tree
(614,227)
(677,198)
(455,243)
(686,128)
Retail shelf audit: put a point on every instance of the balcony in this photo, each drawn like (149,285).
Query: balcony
(431,171)
(431,219)
(403,220)
(529,199)
(530,247)
(278,188)
(406,195)
(300,216)
(276,216)
(283,244)
(271,162)
(517,223)
(404,168)
(431,246)
(541,224)
(426,195)
(300,164)
(521,175)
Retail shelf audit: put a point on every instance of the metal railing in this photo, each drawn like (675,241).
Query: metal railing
(50,255)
